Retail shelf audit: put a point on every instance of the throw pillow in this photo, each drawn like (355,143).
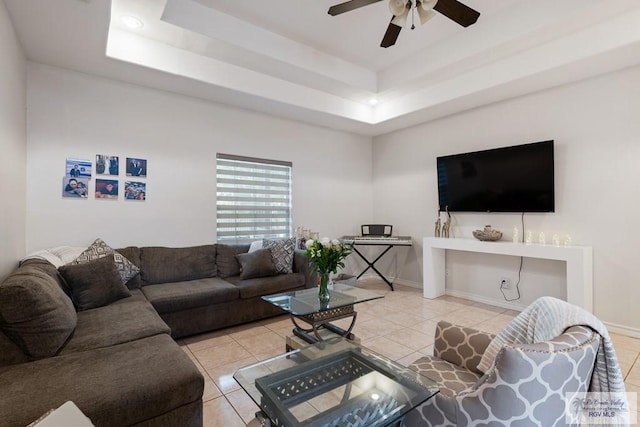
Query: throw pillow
(35,313)
(99,249)
(255,245)
(258,263)
(228,265)
(95,283)
(282,252)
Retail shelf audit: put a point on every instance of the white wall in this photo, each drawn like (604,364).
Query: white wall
(76,115)
(597,146)
(13,142)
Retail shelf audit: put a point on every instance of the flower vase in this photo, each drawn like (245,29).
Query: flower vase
(323,293)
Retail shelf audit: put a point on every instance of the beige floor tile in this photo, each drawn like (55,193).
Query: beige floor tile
(385,347)
(219,413)
(243,405)
(211,391)
(208,340)
(411,338)
(221,355)
(223,375)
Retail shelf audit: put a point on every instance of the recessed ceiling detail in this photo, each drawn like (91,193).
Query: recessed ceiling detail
(325,69)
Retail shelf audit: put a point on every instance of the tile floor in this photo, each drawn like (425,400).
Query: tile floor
(399,326)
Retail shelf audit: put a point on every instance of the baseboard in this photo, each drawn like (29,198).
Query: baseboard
(611,327)
(491,301)
(622,329)
(409,283)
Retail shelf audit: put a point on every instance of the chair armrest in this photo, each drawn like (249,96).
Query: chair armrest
(301,265)
(461,346)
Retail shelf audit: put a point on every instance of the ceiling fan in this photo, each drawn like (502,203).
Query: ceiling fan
(401,9)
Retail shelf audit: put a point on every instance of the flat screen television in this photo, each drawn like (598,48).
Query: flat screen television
(511,179)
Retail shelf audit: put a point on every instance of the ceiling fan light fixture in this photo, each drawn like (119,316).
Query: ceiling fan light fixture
(400,20)
(425,15)
(398,7)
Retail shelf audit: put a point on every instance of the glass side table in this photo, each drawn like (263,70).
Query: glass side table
(304,306)
(333,383)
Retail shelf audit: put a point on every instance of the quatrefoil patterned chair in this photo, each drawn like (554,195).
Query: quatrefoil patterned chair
(515,379)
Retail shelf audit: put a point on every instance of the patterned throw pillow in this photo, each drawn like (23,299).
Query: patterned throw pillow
(100,249)
(282,252)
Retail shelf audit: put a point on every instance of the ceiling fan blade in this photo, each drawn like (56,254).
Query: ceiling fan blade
(391,35)
(457,12)
(349,5)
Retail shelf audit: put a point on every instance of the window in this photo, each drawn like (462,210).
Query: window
(253,198)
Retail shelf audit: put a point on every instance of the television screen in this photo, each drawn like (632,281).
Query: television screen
(510,179)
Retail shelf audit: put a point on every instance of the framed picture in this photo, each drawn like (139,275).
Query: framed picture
(77,168)
(75,187)
(135,190)
(106,189)
(107,165)
(136,167)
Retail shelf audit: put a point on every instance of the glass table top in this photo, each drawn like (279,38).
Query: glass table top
(306,301)
(334,382)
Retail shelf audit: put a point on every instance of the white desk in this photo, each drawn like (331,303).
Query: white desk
(579,261)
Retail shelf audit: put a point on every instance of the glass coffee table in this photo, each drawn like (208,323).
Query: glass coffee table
(334,382)
(304,306)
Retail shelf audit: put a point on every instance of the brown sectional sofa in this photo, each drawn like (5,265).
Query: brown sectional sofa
(119,363)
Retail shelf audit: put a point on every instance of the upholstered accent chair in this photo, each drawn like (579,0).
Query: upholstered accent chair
(525,386)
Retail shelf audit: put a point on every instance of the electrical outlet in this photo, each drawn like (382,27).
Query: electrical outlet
(505,283)
(446,272)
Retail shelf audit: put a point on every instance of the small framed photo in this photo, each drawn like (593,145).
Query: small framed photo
(106,189)
(135,190)
(107,165)
(75,187)
(136,167)
(77,168)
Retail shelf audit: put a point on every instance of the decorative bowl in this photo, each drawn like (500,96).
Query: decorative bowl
(488,234)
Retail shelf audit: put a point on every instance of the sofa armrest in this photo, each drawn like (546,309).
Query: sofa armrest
(301,265)
(461,346)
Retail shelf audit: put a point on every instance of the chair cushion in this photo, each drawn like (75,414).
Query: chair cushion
(171,297)
(95,283)
(35,313)
(258,263)
(163,265)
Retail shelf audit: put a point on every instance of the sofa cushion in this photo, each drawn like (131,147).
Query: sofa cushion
(99,249)
(268,285)
(170,297)
(258,263)
(35,312)
(163,265)
(95,283)
(228,264)
(125,320)
(282,253)
(121,385)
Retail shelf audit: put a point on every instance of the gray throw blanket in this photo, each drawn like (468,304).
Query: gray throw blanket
(545,319)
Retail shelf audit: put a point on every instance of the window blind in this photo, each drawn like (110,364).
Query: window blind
(253,198)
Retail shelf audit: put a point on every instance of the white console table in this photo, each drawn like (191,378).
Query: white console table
(579,261)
